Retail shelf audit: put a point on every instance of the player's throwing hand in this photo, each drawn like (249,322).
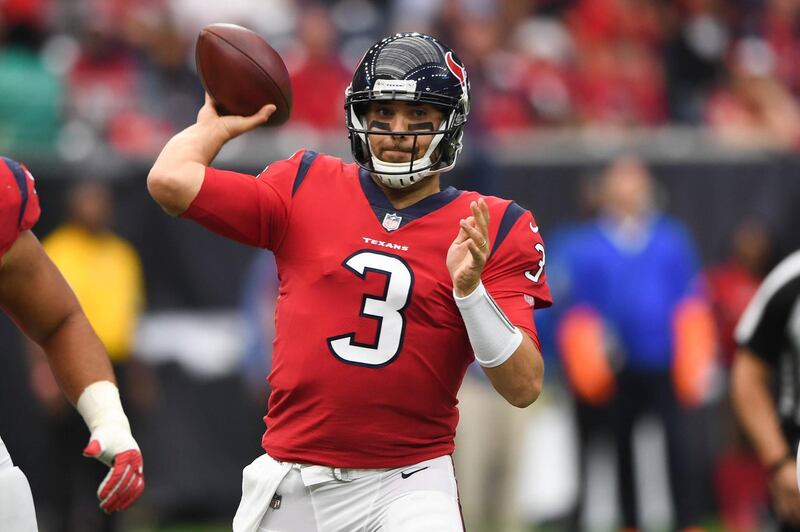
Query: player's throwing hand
(231,126)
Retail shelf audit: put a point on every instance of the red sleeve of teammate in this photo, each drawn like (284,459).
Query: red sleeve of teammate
(19,204)
(249,209)
(514,274)
(32,210)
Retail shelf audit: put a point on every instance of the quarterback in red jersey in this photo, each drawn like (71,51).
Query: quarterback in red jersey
(36,296)
(390,286)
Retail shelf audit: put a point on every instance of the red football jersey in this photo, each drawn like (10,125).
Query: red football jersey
(370,348)
(19,204)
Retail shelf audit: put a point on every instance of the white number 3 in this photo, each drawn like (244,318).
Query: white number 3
(535,276)
(388,310)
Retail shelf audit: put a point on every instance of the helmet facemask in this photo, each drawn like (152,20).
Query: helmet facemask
(438,157)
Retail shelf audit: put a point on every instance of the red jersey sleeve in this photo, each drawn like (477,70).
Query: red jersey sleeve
(19,204)
(250,209)
(32,210)
(514,273)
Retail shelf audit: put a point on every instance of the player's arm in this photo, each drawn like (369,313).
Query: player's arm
(520,378)
(509,357)
(177,175)
(754,407)
(760,334)
(752,402)
(37,297)
(34,293)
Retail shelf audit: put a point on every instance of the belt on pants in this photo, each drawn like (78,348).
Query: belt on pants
(315,474)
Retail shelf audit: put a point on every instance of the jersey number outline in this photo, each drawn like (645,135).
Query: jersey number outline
(388,309)
(535,276)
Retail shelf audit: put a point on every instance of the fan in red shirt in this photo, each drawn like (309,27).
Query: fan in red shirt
(313,65)
(35,295)
(390,286)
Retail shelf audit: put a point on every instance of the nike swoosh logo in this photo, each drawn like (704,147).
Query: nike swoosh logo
(534,228)
(406,475)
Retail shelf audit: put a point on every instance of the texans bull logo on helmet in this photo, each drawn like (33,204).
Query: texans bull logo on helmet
(457,70)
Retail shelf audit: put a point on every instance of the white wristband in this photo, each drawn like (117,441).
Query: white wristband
(493,337)
(99,404)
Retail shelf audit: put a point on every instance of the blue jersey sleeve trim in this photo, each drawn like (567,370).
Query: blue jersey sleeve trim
(305,164)
(510,217)
(21,178)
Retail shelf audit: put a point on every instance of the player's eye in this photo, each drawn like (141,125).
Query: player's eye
(384,112)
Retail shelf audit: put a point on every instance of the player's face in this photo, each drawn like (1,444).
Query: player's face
(401,117)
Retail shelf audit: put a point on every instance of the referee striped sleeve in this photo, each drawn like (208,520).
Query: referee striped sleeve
(778,279)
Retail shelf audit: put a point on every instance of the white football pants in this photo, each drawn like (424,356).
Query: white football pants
(16,501)
(284,497)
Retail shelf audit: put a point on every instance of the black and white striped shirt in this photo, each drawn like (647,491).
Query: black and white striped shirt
(770,328)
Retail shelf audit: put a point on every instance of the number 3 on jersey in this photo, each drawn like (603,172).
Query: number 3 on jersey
(388,310)
(534,277)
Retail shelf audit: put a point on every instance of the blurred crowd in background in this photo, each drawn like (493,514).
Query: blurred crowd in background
(73,74)
(187,317)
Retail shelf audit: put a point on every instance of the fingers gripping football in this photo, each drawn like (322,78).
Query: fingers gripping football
(232,126)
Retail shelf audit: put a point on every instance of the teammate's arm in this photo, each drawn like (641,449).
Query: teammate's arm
(752,402)
(36,296)
(177,175)
(518,377)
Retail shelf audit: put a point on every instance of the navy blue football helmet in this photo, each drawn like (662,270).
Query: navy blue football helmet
(417,68)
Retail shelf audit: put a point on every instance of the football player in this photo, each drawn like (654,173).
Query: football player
(390,286)
(38,299)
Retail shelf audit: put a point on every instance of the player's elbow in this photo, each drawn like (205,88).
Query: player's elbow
(165,188)
(529,377)
(521,391)
(524,394)
(520,378)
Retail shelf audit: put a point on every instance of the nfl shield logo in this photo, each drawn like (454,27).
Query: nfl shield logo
(391,221)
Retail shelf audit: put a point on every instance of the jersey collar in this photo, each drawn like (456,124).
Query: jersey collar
(381,205)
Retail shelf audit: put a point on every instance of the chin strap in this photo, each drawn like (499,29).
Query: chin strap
(391,174)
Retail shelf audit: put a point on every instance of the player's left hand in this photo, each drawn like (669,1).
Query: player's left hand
(468,253)
(114,445)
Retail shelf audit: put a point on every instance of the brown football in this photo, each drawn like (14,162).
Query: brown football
(242,73)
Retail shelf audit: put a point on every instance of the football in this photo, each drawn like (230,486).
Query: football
(242,72)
